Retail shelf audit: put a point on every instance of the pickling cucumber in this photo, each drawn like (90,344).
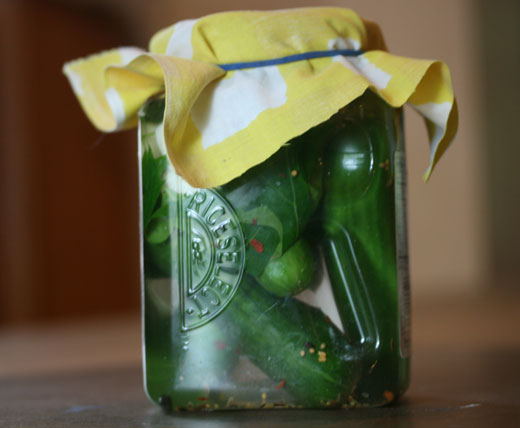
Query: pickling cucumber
(295,344)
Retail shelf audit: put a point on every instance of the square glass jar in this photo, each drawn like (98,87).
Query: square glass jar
(286,287)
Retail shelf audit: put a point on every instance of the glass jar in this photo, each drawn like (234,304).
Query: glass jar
(288,286)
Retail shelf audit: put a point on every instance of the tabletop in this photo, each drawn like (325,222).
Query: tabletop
(86,373)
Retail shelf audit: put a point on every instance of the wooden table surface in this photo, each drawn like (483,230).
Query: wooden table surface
(465,373)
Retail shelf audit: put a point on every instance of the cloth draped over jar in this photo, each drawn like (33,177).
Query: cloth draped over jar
(218,123)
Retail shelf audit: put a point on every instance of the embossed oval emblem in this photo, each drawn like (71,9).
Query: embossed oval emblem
(211,256)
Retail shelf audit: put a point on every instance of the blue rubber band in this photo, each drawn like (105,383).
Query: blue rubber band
(289,58)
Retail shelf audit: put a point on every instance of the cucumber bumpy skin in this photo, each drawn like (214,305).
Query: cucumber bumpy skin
(295,344)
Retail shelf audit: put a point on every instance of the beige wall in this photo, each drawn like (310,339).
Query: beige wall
(447,217)
(499,39)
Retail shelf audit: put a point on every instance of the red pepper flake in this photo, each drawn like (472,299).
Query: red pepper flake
(281,384)
(389,396)
(220,344)
(254,222)
(257,245)
(202,398)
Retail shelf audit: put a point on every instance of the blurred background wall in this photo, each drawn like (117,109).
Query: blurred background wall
(68,195)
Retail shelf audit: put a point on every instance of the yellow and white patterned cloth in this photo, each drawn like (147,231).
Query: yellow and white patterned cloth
(218,123)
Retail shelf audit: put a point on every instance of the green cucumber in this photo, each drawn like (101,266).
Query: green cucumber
(359,242)
(291,273)
(295,344)
(274,202)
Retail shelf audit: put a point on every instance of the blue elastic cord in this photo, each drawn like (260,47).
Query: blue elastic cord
(289,58)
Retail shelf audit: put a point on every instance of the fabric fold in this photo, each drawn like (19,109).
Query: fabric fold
(218,124)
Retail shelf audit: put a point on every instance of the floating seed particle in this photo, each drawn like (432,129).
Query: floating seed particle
(294,173)
(208,406)
(323,346)
(322,356)
(302,353)
(312,350)
(389,395)
(264,396)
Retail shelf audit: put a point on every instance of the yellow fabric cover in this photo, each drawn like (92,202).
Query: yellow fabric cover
(219,124)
